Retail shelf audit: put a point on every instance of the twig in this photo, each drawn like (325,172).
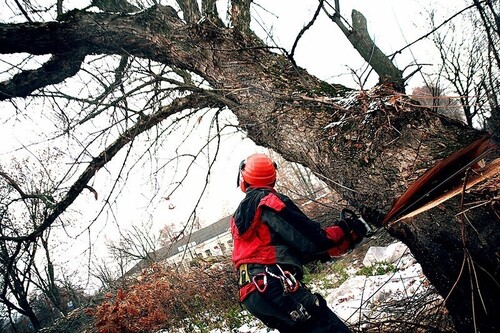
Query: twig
(303,30)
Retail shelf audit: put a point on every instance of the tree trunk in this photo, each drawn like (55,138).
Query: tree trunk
(369,146)
(459,255)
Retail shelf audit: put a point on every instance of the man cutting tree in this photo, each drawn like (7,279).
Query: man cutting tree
(273,238)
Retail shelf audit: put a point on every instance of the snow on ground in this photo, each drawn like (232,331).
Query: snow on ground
(359,295)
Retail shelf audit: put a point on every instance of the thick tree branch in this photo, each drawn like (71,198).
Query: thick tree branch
(209,8)
(160,35)
(362,42)
(193,101)
(360,39)
(58,68)
(59,8)
(157,34)
(100,33)
(240,15)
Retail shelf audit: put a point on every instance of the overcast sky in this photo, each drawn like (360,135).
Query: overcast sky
(325,51)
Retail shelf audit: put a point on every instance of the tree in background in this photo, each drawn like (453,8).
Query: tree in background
(116,85)
(26,194)
(296,181)
(139,242)
(470,63)
(432,97)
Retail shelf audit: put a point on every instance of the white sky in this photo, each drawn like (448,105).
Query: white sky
(323,51)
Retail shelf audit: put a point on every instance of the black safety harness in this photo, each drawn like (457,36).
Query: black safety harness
(254,277)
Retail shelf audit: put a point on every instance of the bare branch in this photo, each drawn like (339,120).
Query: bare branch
(489,34)
(435,29)
(58,68)
(13,183)
(304,29)
(25,13)
(144,124)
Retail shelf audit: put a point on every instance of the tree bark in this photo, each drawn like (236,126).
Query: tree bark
(369,146)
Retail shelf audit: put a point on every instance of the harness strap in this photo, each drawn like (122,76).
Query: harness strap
(246,290)
(258,281)
(249,283)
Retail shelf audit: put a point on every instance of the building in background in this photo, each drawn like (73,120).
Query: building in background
(215,239)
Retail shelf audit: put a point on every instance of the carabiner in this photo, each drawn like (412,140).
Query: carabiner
(262,285)
(290,282)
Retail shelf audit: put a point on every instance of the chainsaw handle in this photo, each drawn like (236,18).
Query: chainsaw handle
(369,229)
(348,211)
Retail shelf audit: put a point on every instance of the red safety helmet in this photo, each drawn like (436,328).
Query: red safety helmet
(257,170)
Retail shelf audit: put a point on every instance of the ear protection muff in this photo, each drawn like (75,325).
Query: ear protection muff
(239,181)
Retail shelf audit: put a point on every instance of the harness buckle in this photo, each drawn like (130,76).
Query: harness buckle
(244,277)
(300,314)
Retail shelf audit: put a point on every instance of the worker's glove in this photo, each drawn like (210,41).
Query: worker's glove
(346,233)
(343,244)
(352,226)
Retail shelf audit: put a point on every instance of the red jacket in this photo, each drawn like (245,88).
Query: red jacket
(268,228)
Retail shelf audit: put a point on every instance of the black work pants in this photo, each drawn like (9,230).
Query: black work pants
(285,311)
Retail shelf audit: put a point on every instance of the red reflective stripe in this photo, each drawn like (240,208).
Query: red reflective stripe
(272,201)
(255,244)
